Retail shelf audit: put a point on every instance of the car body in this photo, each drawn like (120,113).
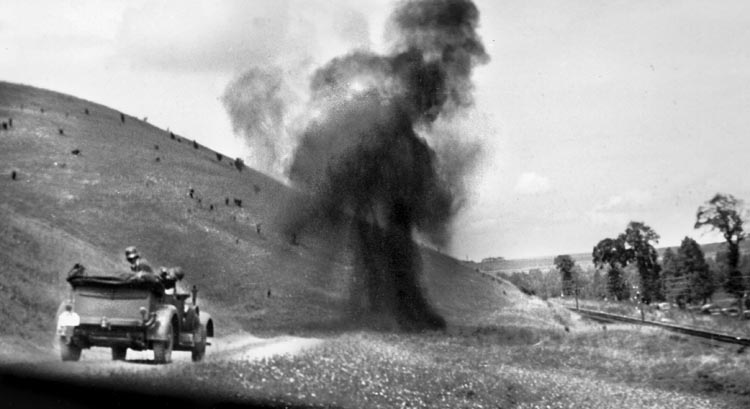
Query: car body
(131,311)
(712,309)
(731,311)
(665,306)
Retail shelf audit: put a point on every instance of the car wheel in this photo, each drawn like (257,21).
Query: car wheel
(119,353)
(69,352)
(199,350)
(163,349)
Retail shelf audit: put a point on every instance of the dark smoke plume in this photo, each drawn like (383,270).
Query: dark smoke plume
(366,164)
(257,103)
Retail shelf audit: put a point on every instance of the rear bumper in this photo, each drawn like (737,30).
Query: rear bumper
(134,337)
(111,322)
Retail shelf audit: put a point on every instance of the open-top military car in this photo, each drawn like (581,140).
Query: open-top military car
(132,311)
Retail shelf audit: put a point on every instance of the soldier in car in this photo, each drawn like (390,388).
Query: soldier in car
(137,264)
(169,277)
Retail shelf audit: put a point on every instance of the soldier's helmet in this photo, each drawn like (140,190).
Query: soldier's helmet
(131,254)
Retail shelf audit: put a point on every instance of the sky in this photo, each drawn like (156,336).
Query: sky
(590,114)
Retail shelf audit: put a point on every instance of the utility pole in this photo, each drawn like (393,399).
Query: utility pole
(640,305)
(742,305)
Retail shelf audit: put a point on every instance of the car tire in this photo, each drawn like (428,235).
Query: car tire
(119,353)
(69,352)
(163,349)
(199,350)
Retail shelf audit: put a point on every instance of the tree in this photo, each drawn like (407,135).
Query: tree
(692,265)
(565,265)
(673,283)
(722,213)
(582,280)
(611,253)
(638,239)
(598,286)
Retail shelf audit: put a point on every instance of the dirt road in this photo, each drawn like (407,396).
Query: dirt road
(20,354)
(34,376)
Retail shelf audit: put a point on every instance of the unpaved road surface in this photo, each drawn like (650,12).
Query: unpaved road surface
(23,355)
(34,376)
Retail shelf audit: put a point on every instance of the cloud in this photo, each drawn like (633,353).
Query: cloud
(630,200)
(530,183)
(621,208)
(231,35)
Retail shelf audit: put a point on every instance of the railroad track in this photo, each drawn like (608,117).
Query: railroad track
(714,336)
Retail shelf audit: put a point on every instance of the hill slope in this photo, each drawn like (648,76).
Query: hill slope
(129,184)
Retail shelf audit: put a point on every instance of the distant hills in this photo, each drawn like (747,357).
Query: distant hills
(584,260)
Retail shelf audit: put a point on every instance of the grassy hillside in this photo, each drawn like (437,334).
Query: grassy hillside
(502,348)
(129,185)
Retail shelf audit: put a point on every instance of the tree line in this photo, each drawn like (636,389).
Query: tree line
(628,266)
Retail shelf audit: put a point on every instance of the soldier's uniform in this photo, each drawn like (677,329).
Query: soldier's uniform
(137,264)
(169,277)
(141,265)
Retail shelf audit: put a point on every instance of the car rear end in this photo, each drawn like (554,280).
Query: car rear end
(112,316)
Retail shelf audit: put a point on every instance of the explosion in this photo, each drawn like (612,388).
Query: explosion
(367,164)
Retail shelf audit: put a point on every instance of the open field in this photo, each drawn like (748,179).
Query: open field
(505,366)
(502,348)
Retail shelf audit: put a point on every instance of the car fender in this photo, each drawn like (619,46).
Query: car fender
(163,315)
(208,323)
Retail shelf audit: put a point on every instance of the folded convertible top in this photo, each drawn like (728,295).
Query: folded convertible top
(128,280)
